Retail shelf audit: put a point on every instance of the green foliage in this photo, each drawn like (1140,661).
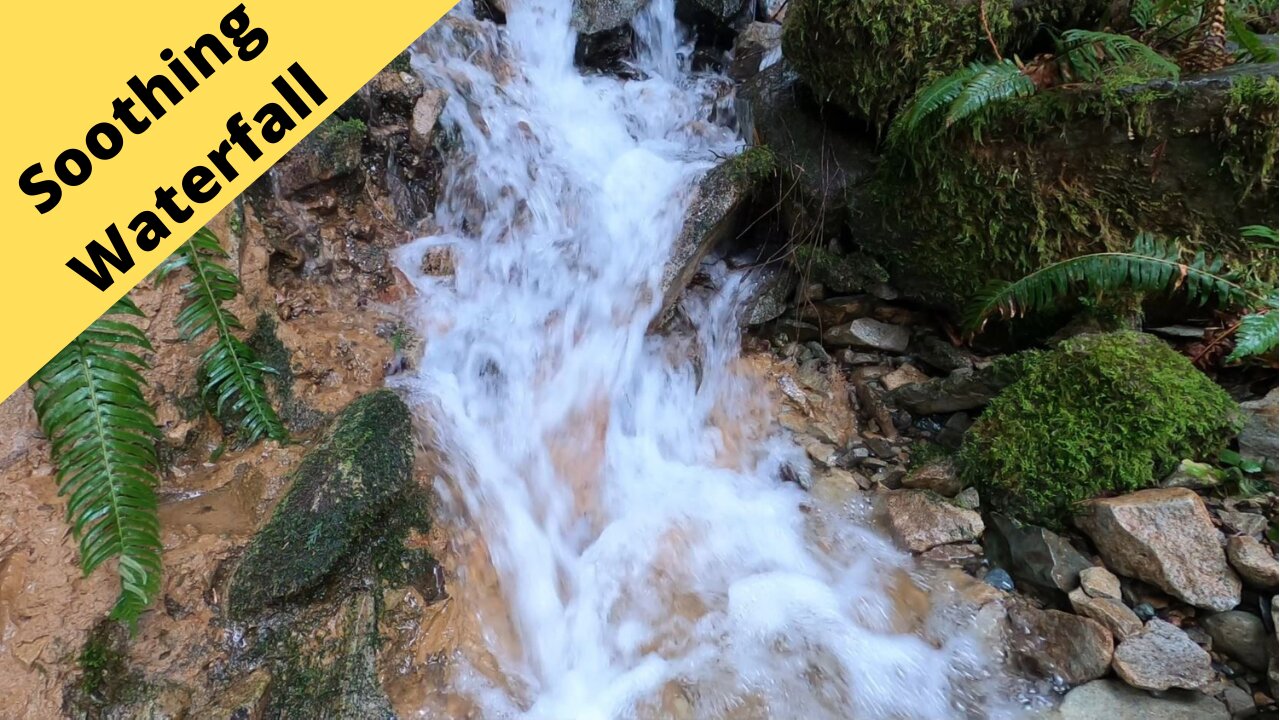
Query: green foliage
(233,377)
(963,93)
(1089,53)
(1098,414)
(753,166)
(102,431)
(1150,267)
(1259,333)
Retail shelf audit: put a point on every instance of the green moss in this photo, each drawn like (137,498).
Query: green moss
(838,273)
(106,681)
(871,56)
(1098,414)
(401,63)
(753,166)
(270,351)
(336,143)
(341,491)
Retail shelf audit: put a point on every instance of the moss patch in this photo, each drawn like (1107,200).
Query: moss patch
(752,166)
(341,490)
(840,274)
(1098,414)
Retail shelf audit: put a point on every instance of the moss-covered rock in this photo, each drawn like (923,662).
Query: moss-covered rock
(1068,172)
(1097,414)
(331,151)
(341,490)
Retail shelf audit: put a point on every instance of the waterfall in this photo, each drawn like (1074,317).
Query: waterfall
(647,561)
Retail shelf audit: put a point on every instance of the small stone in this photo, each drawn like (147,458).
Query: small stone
(1162,657)
(956,554)
(869,334)
(1255,563)
(1000,580)
(1191,474)
(968,499)
(1239,635)
(1113,700)
(1052,644)
(1239,703)
(907,374)
(1099,582)
(820,452)
(849,357)
(919,520)
(1164,537)
(1113,614)
(1144,611)
(937,475)
(1258,438)
(426,118)
(1034,555)
(1243,523)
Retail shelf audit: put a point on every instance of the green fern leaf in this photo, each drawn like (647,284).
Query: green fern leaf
(233,375)
(1085,51)
(990,84)
(1252,49)
(1259,333)
(1150,267)
(102,431)
(937,95)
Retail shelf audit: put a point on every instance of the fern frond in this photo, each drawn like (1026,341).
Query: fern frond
(1086,50)
(102,431)
(233,375)
(1252,49)
(1269,236)
(991,84)
(935,96)
(1259,333)
(1150,267)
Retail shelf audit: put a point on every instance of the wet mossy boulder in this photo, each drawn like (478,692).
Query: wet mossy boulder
(1071,171)
(1108,413)
(342,491)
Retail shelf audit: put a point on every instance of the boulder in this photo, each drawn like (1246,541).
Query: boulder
(868,334)
(1034,555)
(1162,657)
(1113,700)
(919,520)
(1113,614)
(341,488)
(1239,635)
(1258,438)
(715,208)
(716,10)
(1052,644)
(593,16)
(1164,537)
(756,47)
(963,389)
(1254,561)
(938,476)
(1100,582)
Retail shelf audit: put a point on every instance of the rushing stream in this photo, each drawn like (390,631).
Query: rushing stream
(645,559)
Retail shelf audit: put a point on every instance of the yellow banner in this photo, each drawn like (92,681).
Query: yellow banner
(131,124)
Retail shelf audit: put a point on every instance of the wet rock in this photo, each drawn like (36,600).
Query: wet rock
(999,579)
(919,520)
(1034,555)
(771,297)
(758,42)
(331,151)
(938,476)
(1254,561)
(341,488)
(1114,700)
(1243,523)
(952,433)
(1258,438)
(711,216)
(1113,614)
(962,389)
(607,52)
(1099,582)
(907,374)
(593,16)
(1239,635)
(1164,537)
(717,9)
(426,118)
(391,95)
(1162,657)
(1191,474)
(956,555)
(868,334)
(1052,644)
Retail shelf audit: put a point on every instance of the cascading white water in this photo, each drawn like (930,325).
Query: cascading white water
(630,508)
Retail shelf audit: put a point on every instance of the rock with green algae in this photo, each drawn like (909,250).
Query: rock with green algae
(341,490)
(1097,414)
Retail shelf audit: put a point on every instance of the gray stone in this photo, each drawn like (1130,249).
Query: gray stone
(940,354)
(1162,657)
(1100,582)
(1164,537)
(1239,703)
(868,334)
(919,520)
(1112,700)
(710,218)
(1243,523)
(757,43)
(1254,561)
(963,389)
(1258,438)
(1052,644)
(1113,614)
(1239,635)
(593,16)
(937,475)
(426,118)
(968,498)
(1034,555)
(771,296)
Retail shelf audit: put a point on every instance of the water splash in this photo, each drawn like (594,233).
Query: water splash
(646,560)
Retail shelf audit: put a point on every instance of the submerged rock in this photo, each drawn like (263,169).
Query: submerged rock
(1162,657)
(339,491)
(1114,700)
(1165,537)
